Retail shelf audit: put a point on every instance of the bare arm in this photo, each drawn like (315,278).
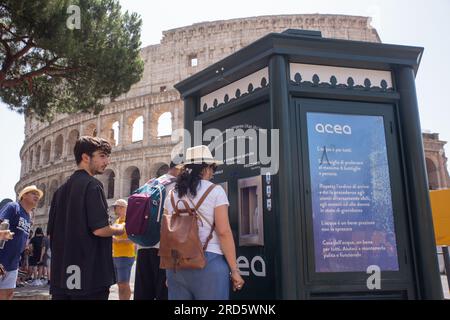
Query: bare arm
(225,235)
(109,231)
(42,253)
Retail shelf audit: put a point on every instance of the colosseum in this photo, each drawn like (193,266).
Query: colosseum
(141,123)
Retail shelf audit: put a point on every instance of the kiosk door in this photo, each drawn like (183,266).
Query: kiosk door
(355,223)
(251,221)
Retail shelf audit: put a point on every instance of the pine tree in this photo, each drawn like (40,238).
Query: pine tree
(65,56)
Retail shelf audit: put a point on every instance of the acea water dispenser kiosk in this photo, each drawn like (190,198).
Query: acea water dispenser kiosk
(324,166)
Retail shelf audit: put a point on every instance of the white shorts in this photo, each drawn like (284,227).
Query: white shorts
(9,281)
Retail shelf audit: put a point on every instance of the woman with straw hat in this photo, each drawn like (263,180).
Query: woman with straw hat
(211,282)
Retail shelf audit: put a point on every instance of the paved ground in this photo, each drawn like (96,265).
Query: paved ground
(445,287)
(41,293)
(32,293)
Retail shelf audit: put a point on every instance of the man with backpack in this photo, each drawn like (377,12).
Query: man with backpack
(150,280)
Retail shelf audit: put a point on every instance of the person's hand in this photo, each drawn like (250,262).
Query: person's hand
(120,229)
(237,280)
(6,235)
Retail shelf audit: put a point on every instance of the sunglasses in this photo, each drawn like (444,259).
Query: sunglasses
(213,167)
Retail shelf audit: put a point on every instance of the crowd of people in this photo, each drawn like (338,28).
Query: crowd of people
(89,254)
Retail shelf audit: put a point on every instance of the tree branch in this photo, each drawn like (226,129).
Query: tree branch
(10,60)
(47,69)
(7,47)
(21,52)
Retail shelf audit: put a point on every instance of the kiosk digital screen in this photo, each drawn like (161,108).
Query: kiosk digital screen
(352,213)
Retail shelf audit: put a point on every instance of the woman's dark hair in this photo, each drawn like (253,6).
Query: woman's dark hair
(89,145)
(189,179)
(38,231)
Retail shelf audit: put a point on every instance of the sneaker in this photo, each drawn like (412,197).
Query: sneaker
(36,283)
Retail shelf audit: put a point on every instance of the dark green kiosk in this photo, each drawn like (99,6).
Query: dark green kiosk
(324,166)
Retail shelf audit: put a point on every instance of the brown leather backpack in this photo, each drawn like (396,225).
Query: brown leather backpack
(180,246)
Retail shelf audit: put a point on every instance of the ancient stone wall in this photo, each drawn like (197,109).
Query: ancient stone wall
(46,154)
(436,161)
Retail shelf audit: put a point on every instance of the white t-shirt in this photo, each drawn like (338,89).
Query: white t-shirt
(217,197)
(169,187)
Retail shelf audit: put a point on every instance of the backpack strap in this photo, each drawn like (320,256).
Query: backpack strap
(199,203)
(172,200)
(160,203)
(187,208)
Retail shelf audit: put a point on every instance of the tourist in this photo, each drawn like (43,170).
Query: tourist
(81,237)
(18,215)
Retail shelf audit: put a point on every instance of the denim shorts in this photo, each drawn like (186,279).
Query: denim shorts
(9,281)
(122,267)
(209,283)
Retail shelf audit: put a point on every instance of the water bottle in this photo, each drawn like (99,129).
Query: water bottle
(4,226)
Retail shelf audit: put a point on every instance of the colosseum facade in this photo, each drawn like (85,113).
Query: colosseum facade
(153,105)
(436,161)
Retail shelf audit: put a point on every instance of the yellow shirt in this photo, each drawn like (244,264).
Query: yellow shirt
(123,249)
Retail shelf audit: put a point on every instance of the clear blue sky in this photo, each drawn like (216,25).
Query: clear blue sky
(413,22)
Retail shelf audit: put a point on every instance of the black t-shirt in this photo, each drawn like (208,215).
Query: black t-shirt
(78,208)
(37,247)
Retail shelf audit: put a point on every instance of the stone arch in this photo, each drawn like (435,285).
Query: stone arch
(73,137)
(433,174)
(137,129)
(59,142)
(162,170)
(165,124)
(37,162)
(158,169)
(30,161)
(51,190)
(42,201)
(127,134)
(90,130)
(131,180)
(23,166)
(46,152)
(115,133)
(110,131)
(111,185)
(108,181)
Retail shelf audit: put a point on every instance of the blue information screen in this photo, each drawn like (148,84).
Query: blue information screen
(353,222)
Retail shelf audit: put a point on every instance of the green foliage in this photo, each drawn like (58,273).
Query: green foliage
(47,68)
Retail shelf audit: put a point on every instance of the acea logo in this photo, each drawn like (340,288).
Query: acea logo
(333,129)
(257,266)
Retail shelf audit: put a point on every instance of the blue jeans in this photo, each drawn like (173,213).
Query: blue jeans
(209,283)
